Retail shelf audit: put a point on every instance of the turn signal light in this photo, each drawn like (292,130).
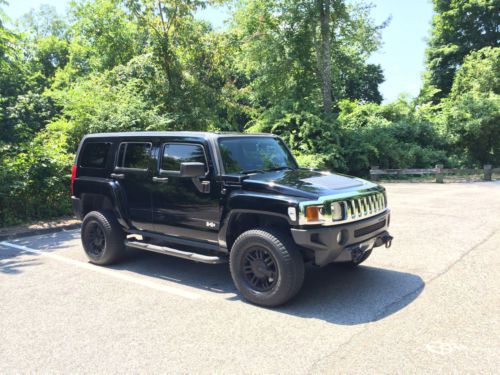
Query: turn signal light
(312,213)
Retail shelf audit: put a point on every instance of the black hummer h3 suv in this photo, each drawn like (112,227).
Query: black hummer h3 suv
(217,197)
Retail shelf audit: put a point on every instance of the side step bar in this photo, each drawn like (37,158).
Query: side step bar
(209,259)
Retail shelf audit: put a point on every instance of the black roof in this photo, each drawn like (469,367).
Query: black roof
(187,134)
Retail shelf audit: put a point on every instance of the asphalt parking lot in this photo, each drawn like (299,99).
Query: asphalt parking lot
(429,303)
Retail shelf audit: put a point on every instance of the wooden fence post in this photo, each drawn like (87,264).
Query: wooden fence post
(487,172)
(374,177)
(439,174)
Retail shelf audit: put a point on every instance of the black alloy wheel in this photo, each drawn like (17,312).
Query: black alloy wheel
(260,269)
(97,240)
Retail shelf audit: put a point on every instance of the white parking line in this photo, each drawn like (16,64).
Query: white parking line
(107,271)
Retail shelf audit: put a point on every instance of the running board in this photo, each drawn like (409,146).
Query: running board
(209,259)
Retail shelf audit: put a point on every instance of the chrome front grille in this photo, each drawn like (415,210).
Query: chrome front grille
(362,207)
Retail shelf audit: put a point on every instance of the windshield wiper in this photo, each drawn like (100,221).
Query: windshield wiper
(252,171)
(279,169)
(248,171)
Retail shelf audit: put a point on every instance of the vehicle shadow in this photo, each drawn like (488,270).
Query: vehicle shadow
(350,296)
(335,293)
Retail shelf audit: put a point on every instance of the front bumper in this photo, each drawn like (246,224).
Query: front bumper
(354,237)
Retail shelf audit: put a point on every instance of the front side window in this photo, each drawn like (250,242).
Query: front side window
(245,154)
(134,155)
(94,155)
(176,153)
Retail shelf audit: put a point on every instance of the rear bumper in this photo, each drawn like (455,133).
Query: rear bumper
(77,207)
(354,237)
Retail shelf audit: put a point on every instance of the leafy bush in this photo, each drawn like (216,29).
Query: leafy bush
(35,179)
(472,125)
(470,116)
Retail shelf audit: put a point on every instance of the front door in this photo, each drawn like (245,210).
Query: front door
(134,171)
(183,206)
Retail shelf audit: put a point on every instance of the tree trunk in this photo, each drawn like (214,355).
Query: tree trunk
(324,58)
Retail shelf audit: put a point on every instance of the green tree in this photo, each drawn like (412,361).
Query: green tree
(6,37)
(459,27)
(470,116)
(295,60)
(479,73)
(107,35)
(307,54)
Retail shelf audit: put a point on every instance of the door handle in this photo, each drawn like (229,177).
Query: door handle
(118,176)
(160,179)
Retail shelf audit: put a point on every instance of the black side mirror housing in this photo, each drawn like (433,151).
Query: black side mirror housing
(192,169)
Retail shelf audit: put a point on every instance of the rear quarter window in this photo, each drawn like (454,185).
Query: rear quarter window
(95,154)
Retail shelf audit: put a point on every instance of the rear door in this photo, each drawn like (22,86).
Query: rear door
(185,207)
(134,171)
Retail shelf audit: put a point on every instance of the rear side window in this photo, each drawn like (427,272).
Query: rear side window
(176,153)
(95,154)
(134,155)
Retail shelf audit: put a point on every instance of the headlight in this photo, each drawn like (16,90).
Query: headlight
(337,211)
(319,214)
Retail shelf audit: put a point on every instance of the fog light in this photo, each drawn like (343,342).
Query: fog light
(342,237)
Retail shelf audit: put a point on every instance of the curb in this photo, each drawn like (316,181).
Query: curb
(35,232)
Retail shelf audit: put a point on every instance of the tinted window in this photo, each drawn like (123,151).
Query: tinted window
(175,154)
(240,154)
(94,155)
(134,155)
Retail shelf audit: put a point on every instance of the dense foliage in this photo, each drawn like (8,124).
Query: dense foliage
(295,68)
(459,28)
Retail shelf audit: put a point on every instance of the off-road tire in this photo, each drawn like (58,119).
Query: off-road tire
(113,235)
(287,260)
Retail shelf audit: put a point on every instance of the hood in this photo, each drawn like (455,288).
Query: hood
(305,183)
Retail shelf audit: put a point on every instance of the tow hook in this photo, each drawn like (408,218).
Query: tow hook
(384,239)
(387,240)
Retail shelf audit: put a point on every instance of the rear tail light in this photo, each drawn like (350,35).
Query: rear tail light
(73,176)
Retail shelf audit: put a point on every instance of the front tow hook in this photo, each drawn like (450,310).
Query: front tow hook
(384,239)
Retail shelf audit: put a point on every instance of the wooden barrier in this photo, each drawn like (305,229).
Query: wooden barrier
(438,171)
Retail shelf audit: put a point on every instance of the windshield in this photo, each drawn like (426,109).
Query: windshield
(254,154)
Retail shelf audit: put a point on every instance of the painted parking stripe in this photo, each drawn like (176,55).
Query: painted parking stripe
(107,271)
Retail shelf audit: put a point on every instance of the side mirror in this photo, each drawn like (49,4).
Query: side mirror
(192,169)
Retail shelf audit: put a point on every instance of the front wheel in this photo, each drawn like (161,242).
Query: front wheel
(102,237)
(266,267)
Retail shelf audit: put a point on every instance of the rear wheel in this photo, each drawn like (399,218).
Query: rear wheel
(266,267)
(102,237)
